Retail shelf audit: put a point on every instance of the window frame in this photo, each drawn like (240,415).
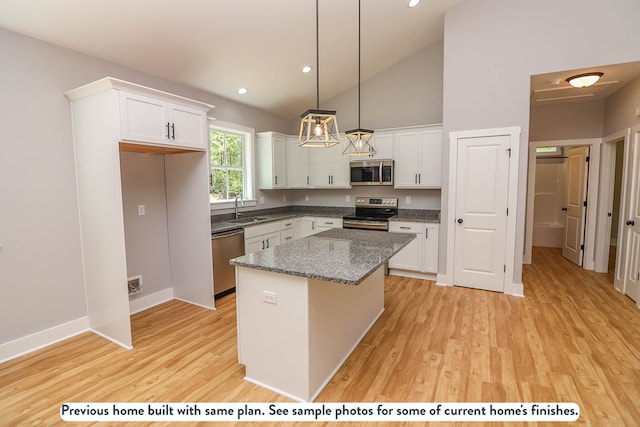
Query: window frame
(248,161)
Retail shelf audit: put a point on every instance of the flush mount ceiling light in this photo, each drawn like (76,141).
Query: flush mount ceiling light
(584,80)
(318,128)
(413,3)
(306,69)
(359,141)
(242,90)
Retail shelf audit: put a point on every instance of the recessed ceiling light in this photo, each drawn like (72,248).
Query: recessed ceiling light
(306,69)
(413,3)
(242,90)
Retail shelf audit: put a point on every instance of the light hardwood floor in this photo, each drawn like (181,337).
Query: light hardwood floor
(573,338)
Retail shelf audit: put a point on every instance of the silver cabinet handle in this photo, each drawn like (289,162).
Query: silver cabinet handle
(405,228)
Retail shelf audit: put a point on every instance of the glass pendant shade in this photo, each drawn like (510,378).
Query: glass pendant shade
(359,143)
(318,128)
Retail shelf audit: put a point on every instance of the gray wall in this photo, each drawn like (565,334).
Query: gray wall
(408,93)
(41,278)
(620,108)
(501,43)
(567,121)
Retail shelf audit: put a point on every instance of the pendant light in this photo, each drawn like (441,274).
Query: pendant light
(359,141)
(318,128)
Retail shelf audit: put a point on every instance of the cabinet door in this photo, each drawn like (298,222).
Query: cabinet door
(430,260)
(143,119)
(321,166)
(410,257)
(430,174)
(255,244)
(279,152)
(341,174)
(407,159)
(271,240)
(188,127)
(297,228)
(297,164)
(308,226)
(383,143)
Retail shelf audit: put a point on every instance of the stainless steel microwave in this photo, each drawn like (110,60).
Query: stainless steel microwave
(372,172)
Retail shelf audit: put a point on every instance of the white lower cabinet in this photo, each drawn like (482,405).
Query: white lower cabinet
(313,225)
(260,237)
(421,255)
(323,223)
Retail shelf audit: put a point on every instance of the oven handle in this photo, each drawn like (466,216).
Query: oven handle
(380,173)
(365,225)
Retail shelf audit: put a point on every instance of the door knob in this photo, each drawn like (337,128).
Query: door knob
(564,209)
(460,220)
(631,222)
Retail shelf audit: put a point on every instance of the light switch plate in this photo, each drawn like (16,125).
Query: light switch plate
(347,198)
(142,210)
(306,197)
(407,200)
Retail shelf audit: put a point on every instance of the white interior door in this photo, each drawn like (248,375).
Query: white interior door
(482,185)
(573,247)
(632,225)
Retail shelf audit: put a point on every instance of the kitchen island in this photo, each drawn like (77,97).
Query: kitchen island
(303,306)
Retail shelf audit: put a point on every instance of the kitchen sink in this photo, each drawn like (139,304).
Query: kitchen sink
(249,220)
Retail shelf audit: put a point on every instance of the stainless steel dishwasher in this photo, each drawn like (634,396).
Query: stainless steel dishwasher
(225,246)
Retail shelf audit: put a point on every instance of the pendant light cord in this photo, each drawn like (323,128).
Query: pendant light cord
(359,48)
(317,57)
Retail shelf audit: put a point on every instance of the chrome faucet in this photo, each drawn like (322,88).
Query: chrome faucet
(238,197)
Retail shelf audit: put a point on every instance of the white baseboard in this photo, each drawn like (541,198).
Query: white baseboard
(41,339)
(515,289)
(412,274)
(147,301)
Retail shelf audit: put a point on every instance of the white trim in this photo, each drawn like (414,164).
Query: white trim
(107,337)
(413,274)
(592,195)
(147,301)
(21,346)
(605,198)
(511,287)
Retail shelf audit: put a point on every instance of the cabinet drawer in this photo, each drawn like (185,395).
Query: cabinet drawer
(286,235)
(259,230)
(405,227)
(286,224)
(329,222)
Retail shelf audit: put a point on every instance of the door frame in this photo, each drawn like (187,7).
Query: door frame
(605,195)
(592,195)
(510,286)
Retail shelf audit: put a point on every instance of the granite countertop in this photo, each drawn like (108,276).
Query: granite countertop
(228,223)
(417,215)
(337,255)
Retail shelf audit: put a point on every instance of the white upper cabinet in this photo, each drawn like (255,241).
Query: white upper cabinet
(297,164)
(383,144)
(329,167)
(418,158)
(272,160)
(156,121)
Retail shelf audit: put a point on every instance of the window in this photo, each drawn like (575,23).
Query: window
(230,156)
(547,150)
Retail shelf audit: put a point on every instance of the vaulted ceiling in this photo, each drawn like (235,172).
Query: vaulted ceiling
(222,45)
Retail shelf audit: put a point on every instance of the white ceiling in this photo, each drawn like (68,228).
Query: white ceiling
(222,45)
(553,88)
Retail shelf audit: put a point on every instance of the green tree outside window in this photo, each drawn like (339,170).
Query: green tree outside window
(227,165)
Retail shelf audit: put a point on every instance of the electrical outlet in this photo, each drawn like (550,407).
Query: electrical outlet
(407,200)
(142,210)
(306,197)
(262,200)
(284,197)
(347,198)
(270,297)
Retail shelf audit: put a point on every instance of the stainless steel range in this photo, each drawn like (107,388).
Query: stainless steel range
(372,213)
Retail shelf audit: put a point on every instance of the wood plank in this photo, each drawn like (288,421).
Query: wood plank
(573,338)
